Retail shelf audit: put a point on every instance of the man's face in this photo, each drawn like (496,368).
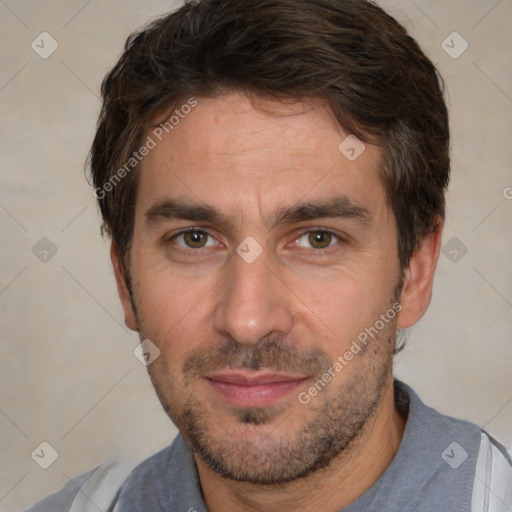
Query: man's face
(260,253)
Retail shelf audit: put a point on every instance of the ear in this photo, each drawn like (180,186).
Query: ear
(122,288)
(419,279)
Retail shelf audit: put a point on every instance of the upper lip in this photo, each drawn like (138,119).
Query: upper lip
(253,378)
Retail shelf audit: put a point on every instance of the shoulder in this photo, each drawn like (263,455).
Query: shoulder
(477,469)
(63,499)
(96,488)
(124,480)
(492,489)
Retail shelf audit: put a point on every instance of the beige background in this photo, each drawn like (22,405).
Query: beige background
(68,374)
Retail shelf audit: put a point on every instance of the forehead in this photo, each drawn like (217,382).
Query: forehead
(234,152)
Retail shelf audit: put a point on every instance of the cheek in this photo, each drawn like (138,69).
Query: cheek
(343,304)
(173,308)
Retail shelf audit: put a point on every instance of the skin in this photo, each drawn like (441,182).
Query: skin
(294,309)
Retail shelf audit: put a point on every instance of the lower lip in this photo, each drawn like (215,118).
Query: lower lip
(258,395)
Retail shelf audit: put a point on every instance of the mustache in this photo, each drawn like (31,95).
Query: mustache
(272,354)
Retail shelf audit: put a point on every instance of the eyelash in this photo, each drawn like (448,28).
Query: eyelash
(185,250)
(320,252)
(316,252)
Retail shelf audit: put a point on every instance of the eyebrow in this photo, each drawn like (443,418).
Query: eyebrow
(170,209)
(340,207)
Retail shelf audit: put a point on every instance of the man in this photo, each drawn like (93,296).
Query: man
(272,176)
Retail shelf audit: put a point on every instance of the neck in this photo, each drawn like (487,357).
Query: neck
(327,490)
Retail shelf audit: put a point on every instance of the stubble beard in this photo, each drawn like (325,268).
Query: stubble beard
(261,450)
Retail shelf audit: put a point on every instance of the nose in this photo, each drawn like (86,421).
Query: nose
(253,304)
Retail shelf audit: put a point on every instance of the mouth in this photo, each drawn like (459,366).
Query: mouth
(245,388)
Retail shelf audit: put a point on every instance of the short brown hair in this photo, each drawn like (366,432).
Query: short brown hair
(361,61)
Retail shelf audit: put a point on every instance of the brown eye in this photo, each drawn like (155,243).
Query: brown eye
(195,239)
(317,239)
(320,239)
